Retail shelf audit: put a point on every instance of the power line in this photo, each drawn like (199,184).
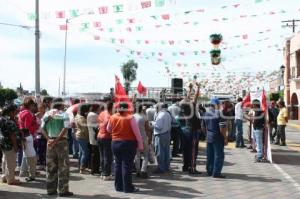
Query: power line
(16,25)
(293,25)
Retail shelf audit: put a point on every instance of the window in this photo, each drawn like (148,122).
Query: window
(298,62)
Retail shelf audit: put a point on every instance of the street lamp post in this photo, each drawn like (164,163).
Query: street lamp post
(37,52)
(65,54)
(282,69)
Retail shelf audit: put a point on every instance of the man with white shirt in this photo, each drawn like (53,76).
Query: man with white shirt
(174,109)
(239,117)
(162,128)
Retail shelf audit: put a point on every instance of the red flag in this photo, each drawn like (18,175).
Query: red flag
(97,24)
(96,37)
(247,101)
(120,94)
(141,89)
(264,101)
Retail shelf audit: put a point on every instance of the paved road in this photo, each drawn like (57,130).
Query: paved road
(245,179)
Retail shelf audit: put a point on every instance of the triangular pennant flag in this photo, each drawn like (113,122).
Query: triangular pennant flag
(103,10)
(165,16)
(60,14)
(159,3)
(118,8)
(74,13)
(146,4)
(97,24)
(63,27)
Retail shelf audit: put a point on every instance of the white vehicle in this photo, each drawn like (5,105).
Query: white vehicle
(223,97)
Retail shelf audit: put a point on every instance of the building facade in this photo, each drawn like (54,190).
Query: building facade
(292,76)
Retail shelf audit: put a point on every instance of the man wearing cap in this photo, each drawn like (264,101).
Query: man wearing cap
(216,139)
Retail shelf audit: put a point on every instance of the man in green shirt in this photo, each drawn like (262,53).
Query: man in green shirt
(55,124)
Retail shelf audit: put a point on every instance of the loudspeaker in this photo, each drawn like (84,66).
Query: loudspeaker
(177,85)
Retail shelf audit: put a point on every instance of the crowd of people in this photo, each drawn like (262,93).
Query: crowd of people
(113,139)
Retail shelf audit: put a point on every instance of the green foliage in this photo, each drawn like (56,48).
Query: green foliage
(274,96)
(129,73)
(7,95)
(216,38)
(44,92)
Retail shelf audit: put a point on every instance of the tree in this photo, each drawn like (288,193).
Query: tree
(7,95)
(44,92)
(129,73)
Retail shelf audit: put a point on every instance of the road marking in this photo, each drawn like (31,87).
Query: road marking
(287,176)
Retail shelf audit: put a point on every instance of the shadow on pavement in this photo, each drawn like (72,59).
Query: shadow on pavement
(166,189)
(288,157)
(250,178)
(20,195)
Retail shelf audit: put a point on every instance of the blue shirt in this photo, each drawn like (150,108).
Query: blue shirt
(213,122)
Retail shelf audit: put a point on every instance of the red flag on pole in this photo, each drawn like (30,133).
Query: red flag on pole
(264,101)
(120,94)
(247,101)
(141,89)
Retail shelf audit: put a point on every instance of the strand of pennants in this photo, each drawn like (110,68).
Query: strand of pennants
(140,27)
(134,6)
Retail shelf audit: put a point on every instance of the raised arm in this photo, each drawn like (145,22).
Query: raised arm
(197,93)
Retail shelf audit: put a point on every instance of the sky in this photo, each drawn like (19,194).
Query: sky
(252,32)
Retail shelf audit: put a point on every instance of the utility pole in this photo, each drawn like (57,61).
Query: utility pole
(37,51)
(65,58)
(59,87)
(293,25)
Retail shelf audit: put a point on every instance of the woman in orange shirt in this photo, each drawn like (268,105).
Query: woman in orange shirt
(126,138)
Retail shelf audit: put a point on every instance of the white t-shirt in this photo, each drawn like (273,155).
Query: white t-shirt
(29,149)
(239,115)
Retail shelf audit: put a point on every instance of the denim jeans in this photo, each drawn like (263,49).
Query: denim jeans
(215,158)
(124,153)
(105,156)
(75,147)
(258,136)
(162,151)
(84,152)
(239,133)
(232,134)
(190,141)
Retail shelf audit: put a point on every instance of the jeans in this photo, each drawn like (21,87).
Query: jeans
(175,137)
(75,148)
(19,157)
(258,136)
(232,134)
(124,153)
(95,160)
(239,133)
(41,151)
(190,148)
(281,134)
(215,158)
(105,156)
(84,152)
(162,151)
(272,135)
(70,141)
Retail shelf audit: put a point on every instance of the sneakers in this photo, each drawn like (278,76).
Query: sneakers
(84,171)
(29,179)
(107,178)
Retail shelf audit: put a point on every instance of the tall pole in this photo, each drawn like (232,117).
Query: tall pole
(37,51)
(65,59)
(293,25)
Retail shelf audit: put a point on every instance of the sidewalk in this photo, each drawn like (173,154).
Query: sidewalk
(245,179)
(294,124)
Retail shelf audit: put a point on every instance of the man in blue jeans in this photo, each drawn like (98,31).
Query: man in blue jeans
(162,129)
(239,117)
(216,139)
